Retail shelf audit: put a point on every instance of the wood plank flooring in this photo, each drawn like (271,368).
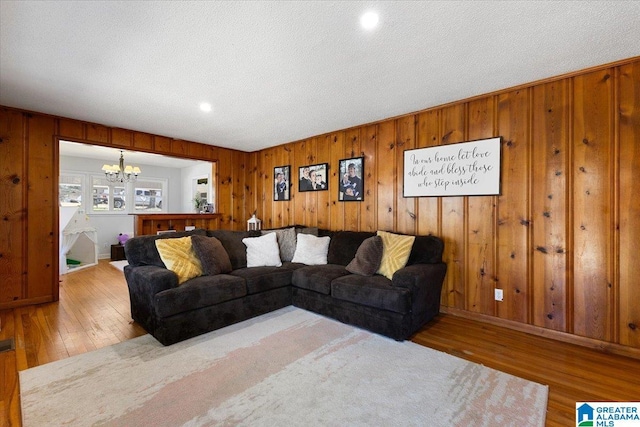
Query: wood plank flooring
(93,312)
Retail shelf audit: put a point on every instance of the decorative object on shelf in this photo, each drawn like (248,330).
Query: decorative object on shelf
(198,203)
(313,177)
(122,238)
(281,183)
(120,172)
(351,180)
(254,223)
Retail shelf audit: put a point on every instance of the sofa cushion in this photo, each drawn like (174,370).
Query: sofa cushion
(311,250)
(397,248)
(286,242)
(212,256)
(426,250)
(375,291)
(199,292)
(308,230)
(178,255)
(262,251)
(317,278)
(260,279)
(232,242)
(344,245)
(141,250)
(368,257)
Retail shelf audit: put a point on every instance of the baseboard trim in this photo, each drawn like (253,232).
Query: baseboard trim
(605,347)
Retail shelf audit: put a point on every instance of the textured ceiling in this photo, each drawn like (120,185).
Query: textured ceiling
(277,72)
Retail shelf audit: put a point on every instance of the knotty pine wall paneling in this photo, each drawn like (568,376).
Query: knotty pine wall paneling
(42,209)
(253,199)
(429,213)
(298,199)
(561,237)
(13,187)
(592,147)
(143,141)
(481,217)
(225,190)
(628,184)
(368,207)
(239,191)
(121,138)
(514,223)
(323,202)
(550,208)
(386,172)
(29,159)
(336,153)
(266,206)
(454,225)
(405,207)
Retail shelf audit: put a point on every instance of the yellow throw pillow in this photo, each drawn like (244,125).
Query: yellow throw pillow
(395,253)
(178,256)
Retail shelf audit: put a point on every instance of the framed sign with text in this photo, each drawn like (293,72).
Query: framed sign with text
(462,169)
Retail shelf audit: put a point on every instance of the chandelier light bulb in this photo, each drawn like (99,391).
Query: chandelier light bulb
(120,172)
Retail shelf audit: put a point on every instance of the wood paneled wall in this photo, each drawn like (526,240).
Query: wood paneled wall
(559,240)
(29,161)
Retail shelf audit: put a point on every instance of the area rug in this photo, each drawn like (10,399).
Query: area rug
(119,264)
(289,367)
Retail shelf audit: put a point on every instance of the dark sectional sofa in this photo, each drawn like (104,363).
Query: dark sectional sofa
(396,308)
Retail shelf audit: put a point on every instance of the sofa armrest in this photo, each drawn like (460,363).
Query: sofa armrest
(144,283)
(425,282)
(150,279)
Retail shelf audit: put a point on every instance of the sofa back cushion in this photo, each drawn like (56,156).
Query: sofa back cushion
(344,245)
(426,250)
(213,257)
(232,242)
(141,250)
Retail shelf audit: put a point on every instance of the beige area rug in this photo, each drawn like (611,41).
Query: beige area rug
(119,264)
(287,368)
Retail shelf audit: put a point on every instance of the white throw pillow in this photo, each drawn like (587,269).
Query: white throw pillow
(311,250)
(263,251)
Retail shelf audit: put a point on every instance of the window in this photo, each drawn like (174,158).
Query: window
(107,196)
(70,188)
(148,195)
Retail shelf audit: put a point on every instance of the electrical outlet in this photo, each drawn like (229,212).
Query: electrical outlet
(498,294)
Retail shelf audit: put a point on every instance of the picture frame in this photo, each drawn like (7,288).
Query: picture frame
(462,169)
(351,185)
(313,177)
(282,183)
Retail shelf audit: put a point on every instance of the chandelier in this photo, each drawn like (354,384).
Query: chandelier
(120,173)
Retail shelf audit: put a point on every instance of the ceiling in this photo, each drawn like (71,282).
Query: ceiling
(281,71)
(111,156)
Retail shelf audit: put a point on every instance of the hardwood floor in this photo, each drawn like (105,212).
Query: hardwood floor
(93,312)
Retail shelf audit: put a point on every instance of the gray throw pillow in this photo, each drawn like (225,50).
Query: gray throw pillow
(286,242)
(368,257)
(212,255)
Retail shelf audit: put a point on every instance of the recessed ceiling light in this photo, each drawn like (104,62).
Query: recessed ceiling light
(205,106)
(369,20)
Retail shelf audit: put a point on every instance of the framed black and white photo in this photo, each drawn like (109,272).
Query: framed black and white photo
(351,180)
(281,183)
(313,177)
